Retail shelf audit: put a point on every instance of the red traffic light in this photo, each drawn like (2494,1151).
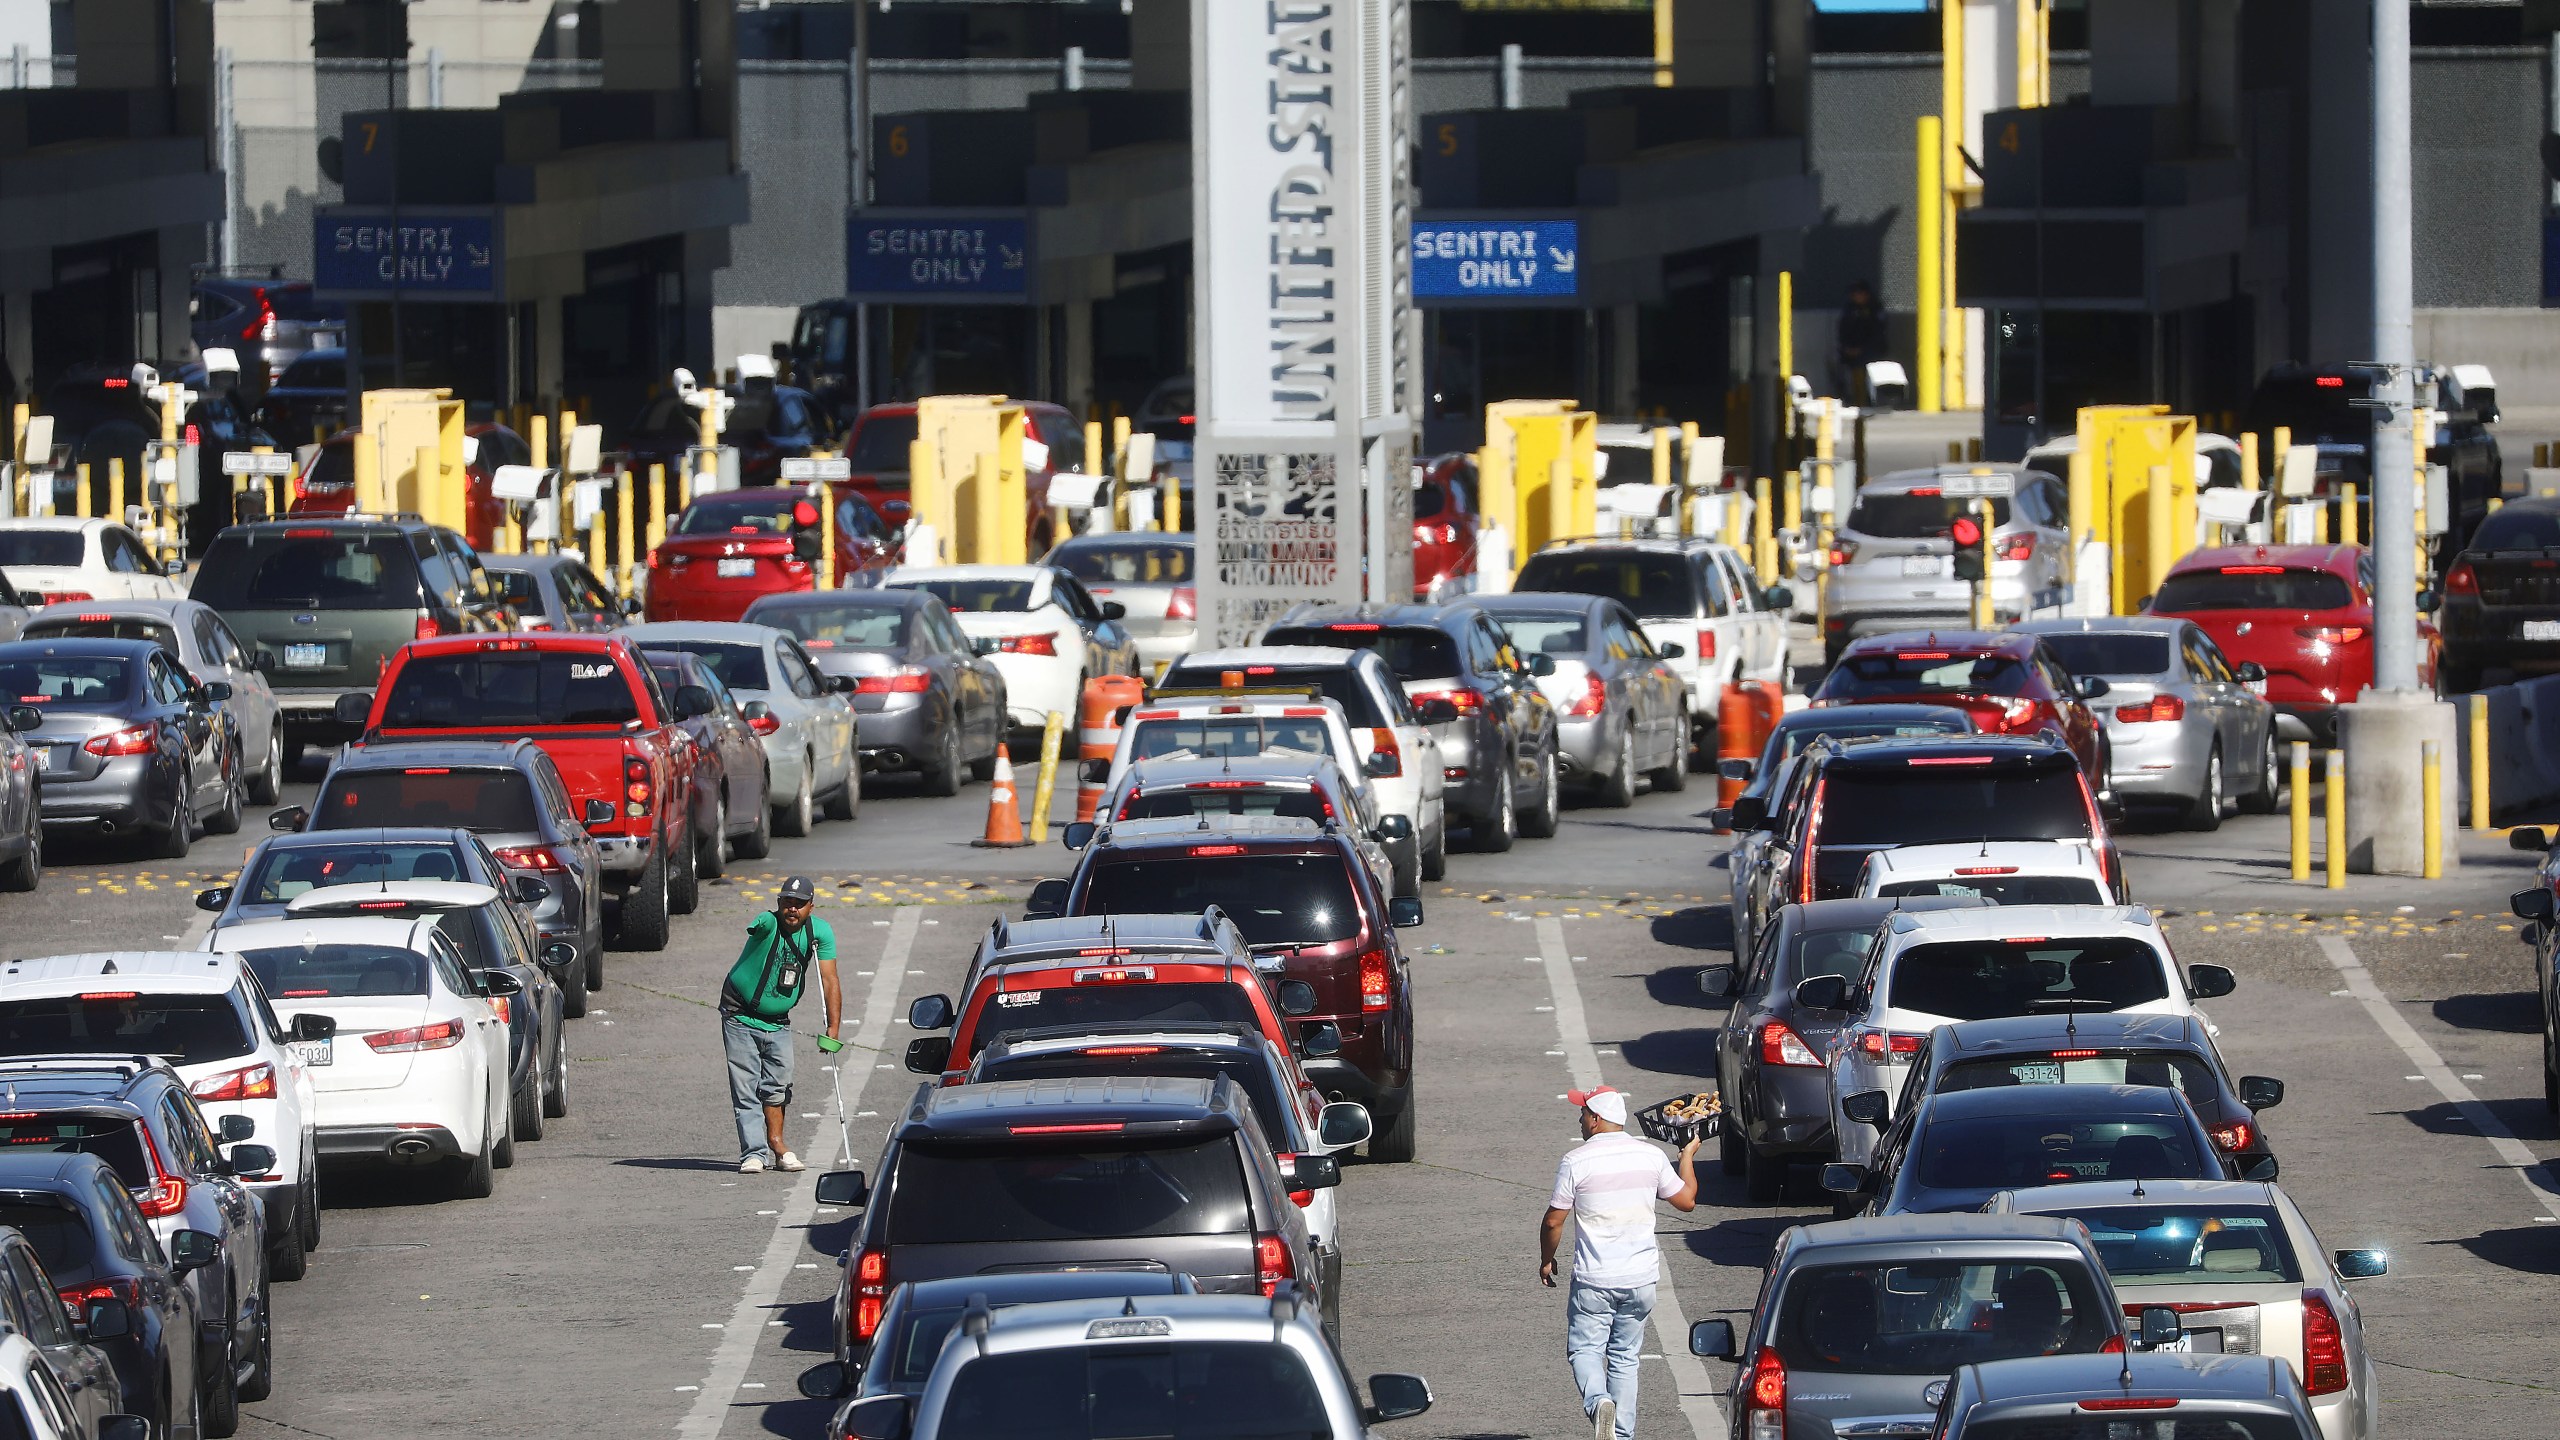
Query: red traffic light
(804,513)
(1966,531)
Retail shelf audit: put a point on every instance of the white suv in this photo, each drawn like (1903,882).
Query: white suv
(1938,967)
(211,1020)
(2003,872)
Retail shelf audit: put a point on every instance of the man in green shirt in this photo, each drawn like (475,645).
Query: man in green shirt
(755,1018)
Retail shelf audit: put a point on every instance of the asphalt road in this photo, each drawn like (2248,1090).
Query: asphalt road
(625,1280)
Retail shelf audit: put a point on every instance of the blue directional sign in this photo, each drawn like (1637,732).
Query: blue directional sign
(1496,259)
(930,255)
(446,255)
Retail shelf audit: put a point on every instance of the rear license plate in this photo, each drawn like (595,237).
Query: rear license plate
(2539,630)
(305,657)
(1920,565)
(2038,1072)
(59,757)
(737,567)
(2196,1342)
(315,1052)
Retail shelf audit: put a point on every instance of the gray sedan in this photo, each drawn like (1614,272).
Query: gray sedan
(205,648)
(556,592)
(1148,574)
(2185,726)
(805,718)
(929,699)
(1618,705)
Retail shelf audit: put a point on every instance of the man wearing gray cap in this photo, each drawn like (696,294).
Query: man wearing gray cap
(755,1018)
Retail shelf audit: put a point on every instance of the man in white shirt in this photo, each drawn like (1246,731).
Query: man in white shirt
(1606,1186)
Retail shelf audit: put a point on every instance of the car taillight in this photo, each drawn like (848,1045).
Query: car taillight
(1812,831)
(2017,714)
(1467,701)
(1271,1263)
(1876,1044)
(65,597)
(77,1298)
(529,857)
(870,1292)
(2157,708)
(1706,644)
(907,680)
(1382,741)
(166,1197)
(1182,604)
(1593,699)
(1374,980)
(428,629)
(1289,1172)
(1782,1046)
(2324,1347)
(2331,634)
(1843,551)
(1766,1397)
(637,788)
(764,724)
(2019,546)
(2462,580)
(2234,1136)
(1028,644)
(131,740)
(258,1082)
(442,1035)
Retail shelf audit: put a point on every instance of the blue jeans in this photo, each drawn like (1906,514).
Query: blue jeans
(759,1075)
(1603,1336)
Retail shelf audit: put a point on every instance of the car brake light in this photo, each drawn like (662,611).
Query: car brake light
(1382,741)
(1117,975)
(131,740)
(636,785)
(166,1196)
(1767,1394)
(1216,850)
(1182,604)
(1089,1127)
(2131,1402)
(1363,625)
(2324,1346)
(77,1298)
(116,382)
(2462,580)
(92,997)
(1468,701)
(2331,634)
(1782,1046)
(258,1082)
(2330,382)
(764,724)
(1271,1262)
(529,857)
(1706,643)
(1374,980)
(2157,708)
(2234,1136)
(2252,569)
(2074,1055)
(1123,1051)
(906,680)
(1875,1043)
(1925,655)
(2114,1346)
(1927,492)
(1593,699)
(428,629)
(65,597)
(2020,546)
(870,1292)
(1986,870)
(1948,760)
(1104,950)
(1028,644)
(442,1035)
(96,617)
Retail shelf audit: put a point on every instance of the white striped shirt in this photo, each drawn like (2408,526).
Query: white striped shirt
(1610,1182)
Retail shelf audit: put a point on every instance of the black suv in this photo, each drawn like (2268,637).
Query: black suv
(134,1112)
(1498,756)
(323,602)
(1140,1172)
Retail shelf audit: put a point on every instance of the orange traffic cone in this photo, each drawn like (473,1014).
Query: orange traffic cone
(1004,814)
(1733,738)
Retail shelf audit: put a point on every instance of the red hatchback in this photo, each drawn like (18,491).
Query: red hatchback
(2304,612)
(327,486)
(2007,682)
(1444,527)
(877,450)
(734,547)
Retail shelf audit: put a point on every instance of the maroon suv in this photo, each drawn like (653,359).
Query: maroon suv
(1296,888)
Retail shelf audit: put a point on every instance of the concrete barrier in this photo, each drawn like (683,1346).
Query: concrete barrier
(2524,751)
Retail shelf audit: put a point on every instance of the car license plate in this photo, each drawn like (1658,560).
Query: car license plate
(2539,630)
(737,567)
(59,757)
(1920,565)
(305,657)
(315,1052)
(2038,1072)
(2196,1342)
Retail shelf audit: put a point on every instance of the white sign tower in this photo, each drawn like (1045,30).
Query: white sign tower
(1309,381)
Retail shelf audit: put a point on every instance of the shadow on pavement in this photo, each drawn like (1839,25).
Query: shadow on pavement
(1701,927)
(2526,1249)
(1742,1239)
(2515,1012)
(1677,986)
(676,1162)
(2524,1118)
(1673,1052)
(797,1417)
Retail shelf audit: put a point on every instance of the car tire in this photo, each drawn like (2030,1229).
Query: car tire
(262,1371)
(1730,1145)
(269,781)
(171,841)
(711,851)
(684,887)
(573,991)
(845,801)
(287,1259)
(226,821)
(2204,813)
(1493,833)
(526,1102)
(475,1178)
(595,964)
(1673,778)
(942,776)
(1618,788)
(555,1091)
(310,1212)
(1394,1144)
(640,923)
(293,751)
(1435,861)
(2550,1076)
(798,816)
(219,1416)
(756,844)
(1538,822)
(27,871)
(2268,797)
(1764,1177)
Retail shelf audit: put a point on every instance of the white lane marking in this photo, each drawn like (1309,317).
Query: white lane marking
(2520,1160)
(738,1342)
(1670,1323)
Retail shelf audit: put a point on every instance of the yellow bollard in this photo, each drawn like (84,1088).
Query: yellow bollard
(2249,462)
(1928,224)
(1119,449)
(115,488)
(826,498)
(2346,514)
(1735,534)
(596,560)
(2480,763)
(1663,437)
(1764,542)
(538,438)
(657,506)
(2319,524)
(1983,616)
(2333,790)
(1688,447)
(1095,461)
(1791,498)
(680,492)
(1169,508)
(622,484)
(2160,520)
(2431,812)
(2301,809)
(1051,734)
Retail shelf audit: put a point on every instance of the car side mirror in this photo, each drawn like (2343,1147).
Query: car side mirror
(1404,911)
(23,718)
(123,1427)
(1433,710)
(842,685)
(2261,1170)
(1114,610)
(1750,812)
(252,1160)
(494,982)
(2089,687)
(1777,597)
(843,1187)
(1343,1124)
(983,645)
(1396,1397)
(1540,664)
(1381,765)
(630,606)
(692,702)
(2207,981)
(559,955)
(1078,834)
(193,1250)
(827,1380)
(214,900)
(264,662)
(106,1319)
(878,1417)
(1823,992)
(1866,1108)
(2249,672)
(1096,772)
(1321,1041)
(215,691)
(1671,650)
(2160,1326)
(353,708)
(1394,828)
(1314,1172)
(312,1027)
(2362,1264)
(2428,602)
(930,1012)
(928,1055)
(290,818)
(1736,770)
(1715,981)
(2111,810)
(2535,905)
(2532,839)
(2261,1092)
(235,1128)
(1842,1178)
(1296,998)
(1048,901)
(1712,1340)
(528,890)
(597,812)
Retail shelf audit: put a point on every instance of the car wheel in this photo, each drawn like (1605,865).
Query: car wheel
(1730,1145)
(684,885)
(1618,791)
(2550,1077)
(942,776)
(475,1178)
(845,801)
(262,1371)
(226,821)
(555,1091)
(310,1201)
(2268,797)
(2205,811)
(1500,825)
(1538,822)
(641,921)
(711,851)
(293,751)
(526,1102)
(288,1259)
(1673,778)
(25,872)
(573,991)
(1394,1144)
(502,1151)
(171,841)
(1764,1177)
(269,781)
(1435,861)
(798,817)
(757,843)
(219,1416)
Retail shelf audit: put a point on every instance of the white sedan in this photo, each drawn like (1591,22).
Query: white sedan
(2003,872)
(416,1074)
(56,558)
(1046,635)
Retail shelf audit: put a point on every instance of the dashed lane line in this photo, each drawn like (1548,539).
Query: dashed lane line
(737,1350)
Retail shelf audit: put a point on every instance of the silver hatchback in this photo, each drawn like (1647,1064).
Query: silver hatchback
(2186,727)
(1893,565)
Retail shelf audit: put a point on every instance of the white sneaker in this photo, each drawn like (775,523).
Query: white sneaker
(752,1165)
(789,1162)
(1604,1419)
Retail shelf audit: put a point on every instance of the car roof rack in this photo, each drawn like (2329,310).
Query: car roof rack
(127,1065)
(1281,693)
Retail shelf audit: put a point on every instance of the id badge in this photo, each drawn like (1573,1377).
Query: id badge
(790,978)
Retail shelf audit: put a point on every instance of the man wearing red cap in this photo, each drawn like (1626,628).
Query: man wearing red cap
(1606,1186)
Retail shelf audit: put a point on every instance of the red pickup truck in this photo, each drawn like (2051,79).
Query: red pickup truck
(598,711)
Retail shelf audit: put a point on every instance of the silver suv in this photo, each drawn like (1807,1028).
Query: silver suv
(1894,566)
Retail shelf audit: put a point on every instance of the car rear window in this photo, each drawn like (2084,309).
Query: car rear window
(1941,805)
(1242,797)
(1085,1191)
(1012,1012)
(1274,899)
(2191,1421)
(60,548)
(487,800)
(103,627)
(1188,1390)
(1923,514)
(61,1237)
(740,667)
(1989,979)
(1248,1072)
(1656,585)
(2006,889)
(837,627)
(502,689)
(880,442)
(2013,1152)
(762,515)
(282,874)
(981,597)
(1126,562)
(68,680)
(1563,635)
(1414,652)
(2168,1069)
(1231,735)
(183,1029)
(112,1138)
(317,568)
(1338,683)
(311,972)
(1922,673)
(2515,527)
(1926,1317)
(2100,654)
(1845,726)
(2192,1244)
(2251,587)
(1832,952)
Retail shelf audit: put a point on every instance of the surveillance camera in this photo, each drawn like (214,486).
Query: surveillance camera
(144,377)
(684,381)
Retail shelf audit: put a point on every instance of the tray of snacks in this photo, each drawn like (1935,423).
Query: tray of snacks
(1681,1118)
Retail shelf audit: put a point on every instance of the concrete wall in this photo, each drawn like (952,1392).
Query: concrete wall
(2476,121)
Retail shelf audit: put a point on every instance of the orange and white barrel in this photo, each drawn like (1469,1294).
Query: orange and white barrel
(1106,700)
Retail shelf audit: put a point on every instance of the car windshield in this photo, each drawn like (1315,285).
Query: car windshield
(1250,1074)
(66,680)
(1923,672)
(1940,805)
(1338,683)
(2192,1244)
(103,627)
(1274,899)
(111,1138)
(2175,1070)
(2016,1152)
(2190,1422)
(851,626)
(740,667)
(1927,1317)
(2515,527)
(1415,652)
(282,874)
(981,597)
(2099,653)
(1231,735)
(2005,889)
(1042,1193)
(490,800)
(319,971)
(59,1233)
(880,442)
(1844,725)
(57,548)
(767,514)
(183,1029)
(1988,979)
(1565,636)
(1172,1002)
(312,568)
(1922,514)
(500,690)
(1654,584)
(1125,562)
(2251,587)
(1188,1390)
(1239,797)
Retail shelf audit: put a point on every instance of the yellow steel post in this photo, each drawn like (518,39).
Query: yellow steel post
(657,507)
(2301,809)
(2431,810)
(1932,199)
(1786,334)
(2082,506)
(1791,503)
(1052,734)
(2333,786)
(2249,462)
(115,488)
(1662,50)
(82,502)
(622,484)
(2160,518)
(1983,618)
(1951,119)
(680,492)
(826,498)
(2347,514)
(2480,763)
(1095,461)
(1688,447)
(707,438)
(1663,437)
(1169,509)
(1764,541)
(1736,533)
(1119,442)
(17,455)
